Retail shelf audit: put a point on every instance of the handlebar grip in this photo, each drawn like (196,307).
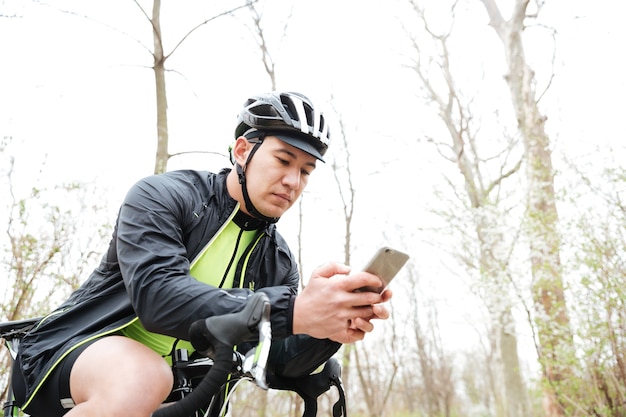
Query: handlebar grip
(216,336)
(229,330)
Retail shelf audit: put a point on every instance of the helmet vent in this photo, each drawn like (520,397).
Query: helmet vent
(287,111)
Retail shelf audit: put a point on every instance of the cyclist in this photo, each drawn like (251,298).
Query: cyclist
(188,245)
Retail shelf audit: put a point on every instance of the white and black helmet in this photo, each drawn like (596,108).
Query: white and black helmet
(289,116)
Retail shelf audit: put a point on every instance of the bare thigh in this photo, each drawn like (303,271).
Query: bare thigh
(119,376)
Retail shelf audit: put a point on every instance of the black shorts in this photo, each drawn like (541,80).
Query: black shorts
(53,398)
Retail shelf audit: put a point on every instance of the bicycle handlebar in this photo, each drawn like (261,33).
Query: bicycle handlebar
(216,337)
(229,329)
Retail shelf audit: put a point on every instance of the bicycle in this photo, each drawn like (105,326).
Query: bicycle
(204,386)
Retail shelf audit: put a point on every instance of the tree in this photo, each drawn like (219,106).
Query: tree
(343,179)
(551,315)
(486,250)
(160,56)
(429,385)
(267,50)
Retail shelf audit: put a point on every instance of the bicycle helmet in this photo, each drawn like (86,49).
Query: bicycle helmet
(289,116)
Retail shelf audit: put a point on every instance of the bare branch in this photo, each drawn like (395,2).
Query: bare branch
(196,152)
(199,25)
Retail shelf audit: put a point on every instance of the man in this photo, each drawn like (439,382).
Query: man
(188,245)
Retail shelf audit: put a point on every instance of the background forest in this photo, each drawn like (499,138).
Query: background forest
(483,137)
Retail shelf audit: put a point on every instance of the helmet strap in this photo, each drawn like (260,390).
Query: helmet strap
(241,173)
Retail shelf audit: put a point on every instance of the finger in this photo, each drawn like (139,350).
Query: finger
(386,295)
(362,282)
(364,325)
(363,301)
(348,336)
(330,269)
(363,311)
(380,312)
(356,335)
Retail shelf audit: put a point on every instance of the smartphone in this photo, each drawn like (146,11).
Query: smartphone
(385,264)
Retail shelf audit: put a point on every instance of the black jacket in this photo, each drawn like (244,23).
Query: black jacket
(163,224)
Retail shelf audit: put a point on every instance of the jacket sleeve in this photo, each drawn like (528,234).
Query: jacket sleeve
(152,224)
(299,355)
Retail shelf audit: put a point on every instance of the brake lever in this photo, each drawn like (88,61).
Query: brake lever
(255,362)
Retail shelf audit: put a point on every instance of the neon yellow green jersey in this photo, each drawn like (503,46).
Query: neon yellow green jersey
(216,266)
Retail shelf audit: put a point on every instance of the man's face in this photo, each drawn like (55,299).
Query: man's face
(277,175)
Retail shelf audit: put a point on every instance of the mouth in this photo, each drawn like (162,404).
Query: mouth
(286,197)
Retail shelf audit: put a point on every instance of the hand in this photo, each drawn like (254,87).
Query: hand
(359,326)
(329,308)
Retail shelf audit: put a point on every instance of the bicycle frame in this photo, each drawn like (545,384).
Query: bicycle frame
(12,333)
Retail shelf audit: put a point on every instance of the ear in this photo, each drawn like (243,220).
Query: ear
(240,149)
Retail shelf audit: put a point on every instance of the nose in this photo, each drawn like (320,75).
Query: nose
(292,178)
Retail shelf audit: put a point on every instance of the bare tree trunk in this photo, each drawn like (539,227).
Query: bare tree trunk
(159,57)
(347,194)
(551,320)
(162,154)
(516,393)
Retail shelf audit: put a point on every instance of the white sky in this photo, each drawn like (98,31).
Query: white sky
(80,96)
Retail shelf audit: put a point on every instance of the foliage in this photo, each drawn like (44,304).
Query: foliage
(598,275)
(50,239)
